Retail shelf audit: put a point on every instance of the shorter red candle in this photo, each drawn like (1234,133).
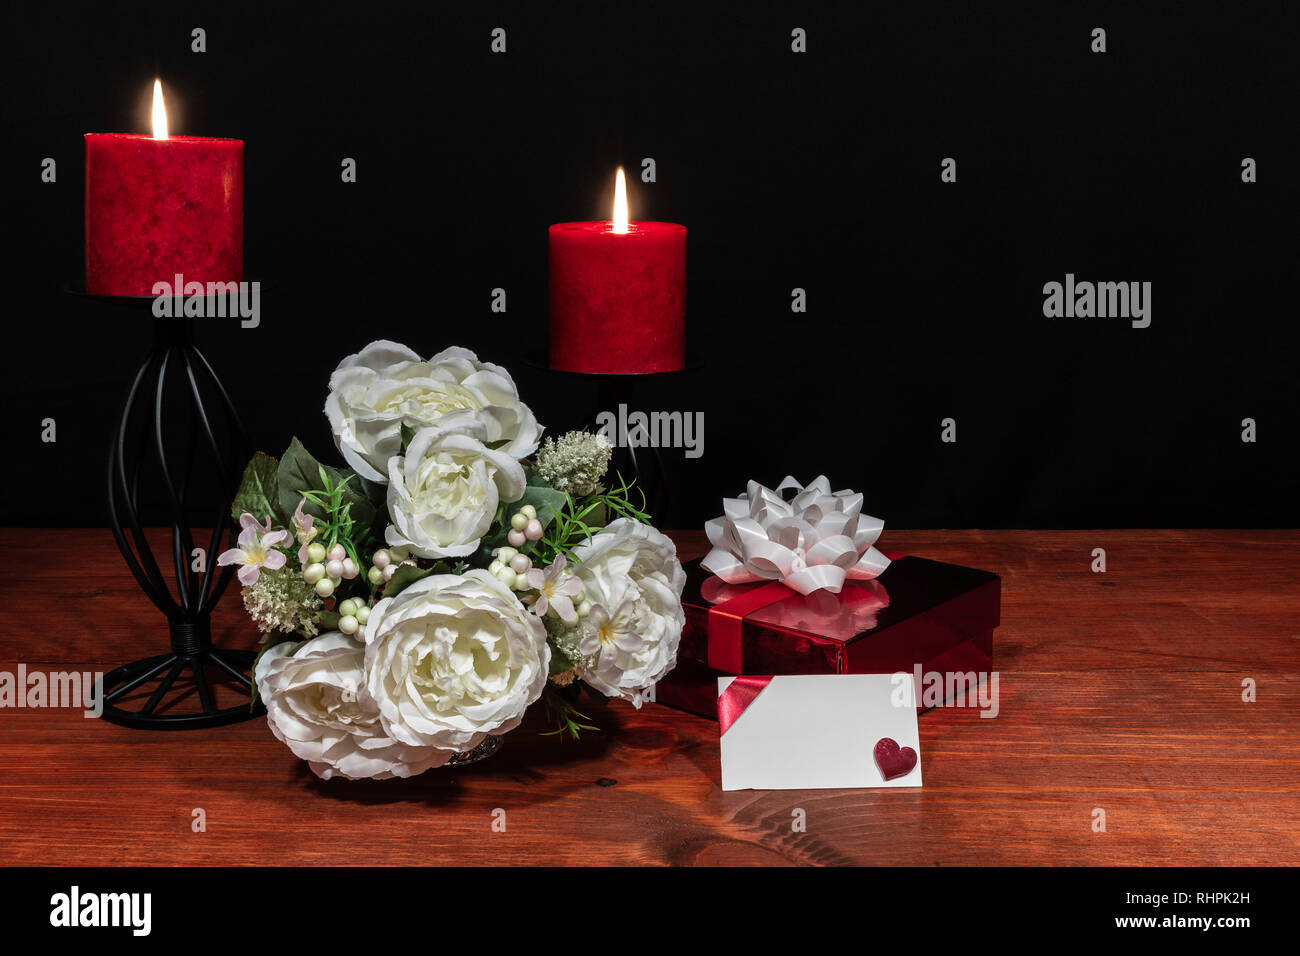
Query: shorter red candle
(159,206)
(618,298)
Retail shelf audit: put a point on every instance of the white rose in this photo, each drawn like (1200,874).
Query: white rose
(452,659)
(385,385)
(443,493)
(631,571)
(317,703)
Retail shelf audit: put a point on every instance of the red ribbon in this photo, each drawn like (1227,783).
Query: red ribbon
(740,693)
(725,623)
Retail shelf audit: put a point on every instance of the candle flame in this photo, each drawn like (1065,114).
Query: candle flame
(620,203)
(159,112)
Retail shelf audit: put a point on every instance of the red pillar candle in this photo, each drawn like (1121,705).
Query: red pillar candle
(159,206)
(618,294)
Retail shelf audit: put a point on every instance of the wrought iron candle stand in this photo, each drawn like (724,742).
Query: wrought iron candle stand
(643,464)
(176,381)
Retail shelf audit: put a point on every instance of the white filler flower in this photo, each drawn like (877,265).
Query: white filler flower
(631,571)
(386,385)
(452,659)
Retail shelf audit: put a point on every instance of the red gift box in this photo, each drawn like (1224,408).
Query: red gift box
(917,612)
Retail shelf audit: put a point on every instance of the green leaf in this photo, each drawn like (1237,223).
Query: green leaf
(559,660)
(329,620)
(258,494)
(537,493)
(405,576)
(407,433)
(299,473)
(543,497)
(598,516)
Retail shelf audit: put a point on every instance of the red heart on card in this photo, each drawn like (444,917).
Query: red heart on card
(892,760)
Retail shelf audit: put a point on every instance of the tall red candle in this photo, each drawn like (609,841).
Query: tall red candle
(618,298)
(159,207)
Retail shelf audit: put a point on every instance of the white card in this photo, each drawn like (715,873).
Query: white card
(817,731)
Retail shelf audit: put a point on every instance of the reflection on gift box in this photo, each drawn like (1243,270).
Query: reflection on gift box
(842,616)
(918,612)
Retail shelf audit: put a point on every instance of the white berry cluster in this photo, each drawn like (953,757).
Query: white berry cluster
(509,565)
(325,568)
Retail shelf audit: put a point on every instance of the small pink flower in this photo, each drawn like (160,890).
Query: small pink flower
(305,525)
(256,549)
(610,634)
(555,589)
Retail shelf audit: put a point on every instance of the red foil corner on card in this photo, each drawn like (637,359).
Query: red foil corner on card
(739,694)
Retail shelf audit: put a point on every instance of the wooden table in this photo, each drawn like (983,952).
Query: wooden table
(1120,691)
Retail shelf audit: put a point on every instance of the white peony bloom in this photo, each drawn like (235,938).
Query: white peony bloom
(317,704)
(385,385)
(631,572)
(452,659)
(443,493)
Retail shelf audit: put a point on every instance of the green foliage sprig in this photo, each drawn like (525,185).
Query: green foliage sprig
(578,520)
(563,714)
(619,500)
(337,514)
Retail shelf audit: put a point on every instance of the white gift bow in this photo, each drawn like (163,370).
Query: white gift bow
(810,543)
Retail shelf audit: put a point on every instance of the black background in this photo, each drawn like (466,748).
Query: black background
(818,170)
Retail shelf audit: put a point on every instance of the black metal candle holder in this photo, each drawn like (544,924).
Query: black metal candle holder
(175,380)
(612,390)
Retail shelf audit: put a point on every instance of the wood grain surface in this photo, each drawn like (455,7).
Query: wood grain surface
(1119,691)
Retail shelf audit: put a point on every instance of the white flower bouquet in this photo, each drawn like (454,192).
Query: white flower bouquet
(459,568)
